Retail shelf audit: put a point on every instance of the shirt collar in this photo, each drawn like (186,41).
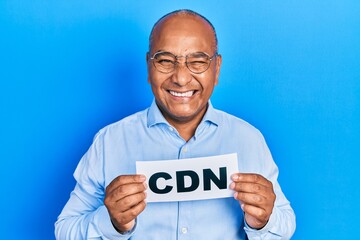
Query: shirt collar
(211,115)
(155,116)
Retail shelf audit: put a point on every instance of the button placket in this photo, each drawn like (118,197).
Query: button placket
(185,215)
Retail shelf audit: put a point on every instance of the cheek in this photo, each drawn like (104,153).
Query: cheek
(208,82)
(156,80)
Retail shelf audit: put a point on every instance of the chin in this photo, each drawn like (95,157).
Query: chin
(184,117)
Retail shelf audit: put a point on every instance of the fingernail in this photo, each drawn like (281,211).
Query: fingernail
(232,185)
(142,177)
(242,206)
(234,177)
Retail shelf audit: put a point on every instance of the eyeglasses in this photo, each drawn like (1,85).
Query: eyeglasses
(197,62)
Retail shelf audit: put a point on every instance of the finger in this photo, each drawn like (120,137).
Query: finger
(129,202)
(123,218)
(125,179)
(258,213)
(123,191)
(251,188)
(251,178)
(252,199)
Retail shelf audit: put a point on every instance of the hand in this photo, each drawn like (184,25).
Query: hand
(256,196)
(125,200)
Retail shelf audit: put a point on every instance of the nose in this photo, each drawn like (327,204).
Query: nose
(181,75)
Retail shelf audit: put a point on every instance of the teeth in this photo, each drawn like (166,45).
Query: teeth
(185,94)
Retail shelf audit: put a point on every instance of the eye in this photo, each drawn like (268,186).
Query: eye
(198,59)
(197,62)
(165,61)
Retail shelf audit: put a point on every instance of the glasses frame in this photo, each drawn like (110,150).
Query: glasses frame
(186,63)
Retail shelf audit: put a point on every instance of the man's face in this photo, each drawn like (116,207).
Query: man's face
(181,95)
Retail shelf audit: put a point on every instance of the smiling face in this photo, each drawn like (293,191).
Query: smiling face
(181,95)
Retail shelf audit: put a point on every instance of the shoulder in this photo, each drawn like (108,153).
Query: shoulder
(127,124)
(235,123)
(227,119)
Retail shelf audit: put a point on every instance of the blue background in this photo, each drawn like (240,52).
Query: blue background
(291,68)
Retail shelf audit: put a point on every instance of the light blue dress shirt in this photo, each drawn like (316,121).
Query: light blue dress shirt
(146,136)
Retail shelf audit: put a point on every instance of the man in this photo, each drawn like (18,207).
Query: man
(109,200)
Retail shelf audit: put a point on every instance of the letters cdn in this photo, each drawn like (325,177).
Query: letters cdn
(208,177)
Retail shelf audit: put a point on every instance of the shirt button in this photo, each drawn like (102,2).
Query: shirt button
(184,230)
(171,129)
(184,149)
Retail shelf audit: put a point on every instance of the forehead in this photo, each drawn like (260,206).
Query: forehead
(182,34)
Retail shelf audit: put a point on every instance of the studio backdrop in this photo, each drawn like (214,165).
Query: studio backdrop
(290,68)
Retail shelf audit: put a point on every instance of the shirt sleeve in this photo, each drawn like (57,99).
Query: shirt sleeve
(85,215)
(281,224)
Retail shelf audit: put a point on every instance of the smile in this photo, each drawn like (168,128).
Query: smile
(183,94)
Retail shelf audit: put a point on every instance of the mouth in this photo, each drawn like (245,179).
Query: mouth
(182,94)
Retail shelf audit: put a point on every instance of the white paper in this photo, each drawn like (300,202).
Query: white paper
(188,179)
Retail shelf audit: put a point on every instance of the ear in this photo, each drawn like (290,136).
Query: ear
(217,68)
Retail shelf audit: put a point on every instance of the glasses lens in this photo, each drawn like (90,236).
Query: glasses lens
(198,62)
(164,62)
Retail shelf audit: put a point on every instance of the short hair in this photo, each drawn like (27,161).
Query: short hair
(184,12)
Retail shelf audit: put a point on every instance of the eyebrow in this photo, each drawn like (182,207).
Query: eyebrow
(197,53)
(163,51)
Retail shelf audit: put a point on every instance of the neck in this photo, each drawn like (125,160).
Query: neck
(186,127)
